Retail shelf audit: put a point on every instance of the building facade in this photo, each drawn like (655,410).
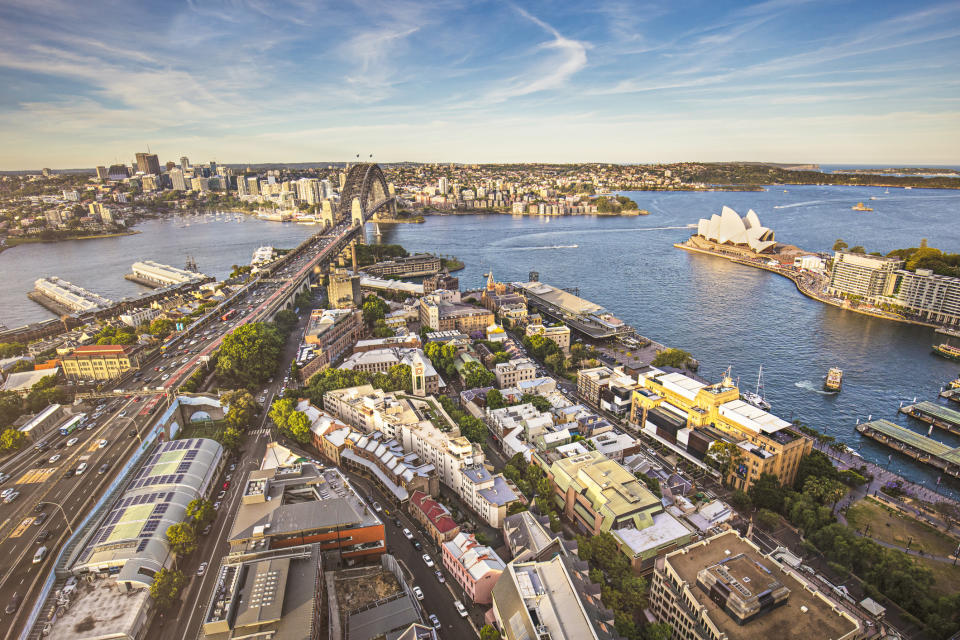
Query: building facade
(100,361)
(474,566)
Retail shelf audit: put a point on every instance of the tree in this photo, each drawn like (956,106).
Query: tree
(740,501)
(281,410)
(182,538)
(166,587)
(250,354)
(495,399)
(11,349)
(241,408)
(857,249)
(11,439)
(201,512)
(161,327)
(816,464)
(11,406)
(840,245)
(539,402)
(476,375)
(658,631)
(298,427)
(374,308)
(725,456)
(766,492)
(675,358)
(767,519)
(285,320)
(489,632)
(231,438)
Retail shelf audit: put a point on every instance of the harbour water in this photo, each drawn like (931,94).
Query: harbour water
(723,313)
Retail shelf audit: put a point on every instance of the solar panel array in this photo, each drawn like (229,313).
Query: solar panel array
(164,479)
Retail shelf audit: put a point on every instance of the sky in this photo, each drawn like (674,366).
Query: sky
(825,81)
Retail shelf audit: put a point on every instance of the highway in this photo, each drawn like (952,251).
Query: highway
(41,481)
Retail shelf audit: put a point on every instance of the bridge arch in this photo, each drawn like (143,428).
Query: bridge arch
(366,184)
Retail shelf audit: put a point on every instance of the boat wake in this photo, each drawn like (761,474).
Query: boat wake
(809,386)
(544,248)
(798,204)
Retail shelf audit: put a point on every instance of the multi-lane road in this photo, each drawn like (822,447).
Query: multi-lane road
(47,483)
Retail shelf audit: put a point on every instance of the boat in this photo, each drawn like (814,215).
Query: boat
(887,191)
(954,384)
(861,207)
(907,188)
(873,197)
(834,379)
(756,398)
(947,350)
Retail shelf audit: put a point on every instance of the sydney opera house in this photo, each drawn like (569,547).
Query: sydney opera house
(734,232)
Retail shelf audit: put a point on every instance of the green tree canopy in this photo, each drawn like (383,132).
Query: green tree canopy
(11,439)
(201,512)
(166,587)
(298,427)
(182,538)
(476,375)
(250,354)
(675,358)
(242,408)
(285,320)
(495,399)
(374,308)
(11,349)
(840,245)
(766,492)
(281,410)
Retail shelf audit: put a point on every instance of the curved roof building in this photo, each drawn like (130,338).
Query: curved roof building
(131,539)
(730,228)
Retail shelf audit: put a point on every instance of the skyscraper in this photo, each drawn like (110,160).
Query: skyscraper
(243,189)
(442,185)
(253,186)
(148,163)
(184,162)
(102,173)
(178,180)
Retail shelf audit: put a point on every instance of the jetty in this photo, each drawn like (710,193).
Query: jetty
(913,444)
(934,414)
(951,394)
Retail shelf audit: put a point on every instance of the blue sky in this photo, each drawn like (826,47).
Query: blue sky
(476,81)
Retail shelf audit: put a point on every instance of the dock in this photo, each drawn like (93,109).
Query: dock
(935,414)
(951,394)
(913,444)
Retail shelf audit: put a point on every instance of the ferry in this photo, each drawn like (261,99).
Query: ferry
(954,384)
(861,207)
(756,398)
(947,350)
(834,379)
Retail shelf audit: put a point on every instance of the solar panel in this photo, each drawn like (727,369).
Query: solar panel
(143,545)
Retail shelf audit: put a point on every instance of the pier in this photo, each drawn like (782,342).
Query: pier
(951,394)
(934,414)
(62,297)
(154,275)
(915,445)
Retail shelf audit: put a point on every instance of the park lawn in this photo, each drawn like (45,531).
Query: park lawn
(892,527)
(946,577)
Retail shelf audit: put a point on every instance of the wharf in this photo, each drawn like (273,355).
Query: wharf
(50,304)
(913,444)
(935,414)
(951,394)
(132,277)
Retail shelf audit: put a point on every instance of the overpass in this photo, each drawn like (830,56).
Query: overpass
(364,195)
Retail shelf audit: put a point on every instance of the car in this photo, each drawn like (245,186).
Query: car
(232,466)
(426,560)
(103,468)
(102,443)
(221,495)
(216,505)
(416,544)
(53,459)
(206,530)
(72,441)
(165,376)
(81,468)
(132,433)
(377,507)
(418,593)
(440,577)
(39,555)
(69,473)
(40,519)
(6,492)
(462,610)
(123,414)
(407,534)
(38,507)
(228,477)
(397,523)
(90,426)
(434,620)
(226,485)
(13,605)
(263,399)
(41,447)
(43,536)
(136,398)
(203,568)
(156,368)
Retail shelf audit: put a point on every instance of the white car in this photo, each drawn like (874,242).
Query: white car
(377,507)
(460,608)
(165,376)
(426,560)
(407,534)
(216,506)
(102,444)
(72,441)
(6,492)
(418,592)
(53,459)
(203,567)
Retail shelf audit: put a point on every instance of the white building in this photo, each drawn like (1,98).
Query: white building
(515,371)
(137,317)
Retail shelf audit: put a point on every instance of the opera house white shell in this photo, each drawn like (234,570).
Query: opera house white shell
(730,228)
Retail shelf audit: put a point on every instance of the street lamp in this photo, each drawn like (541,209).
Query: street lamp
(66,519)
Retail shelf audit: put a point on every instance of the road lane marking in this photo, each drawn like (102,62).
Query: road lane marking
(22,527)
(36,475)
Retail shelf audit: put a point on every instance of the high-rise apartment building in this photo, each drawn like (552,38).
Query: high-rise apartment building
(867,277)
(243,189)
(184,162)
(253,186)
(148,163)
(443,186)
(102,173)
(178,180)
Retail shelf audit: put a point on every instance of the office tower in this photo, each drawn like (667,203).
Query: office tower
(184,162)
(243,189)
(170,165)
(177,180)
(253,186)
(442,185)
(148,163)
(213,168)
(102,173)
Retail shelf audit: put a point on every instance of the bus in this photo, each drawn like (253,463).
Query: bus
(228,315)
(72,425)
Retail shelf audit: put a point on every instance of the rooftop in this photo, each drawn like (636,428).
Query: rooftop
(799,610)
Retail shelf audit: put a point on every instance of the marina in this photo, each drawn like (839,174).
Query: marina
(935,415)
(914,445)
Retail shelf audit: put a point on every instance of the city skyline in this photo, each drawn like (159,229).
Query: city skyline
(491,82)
